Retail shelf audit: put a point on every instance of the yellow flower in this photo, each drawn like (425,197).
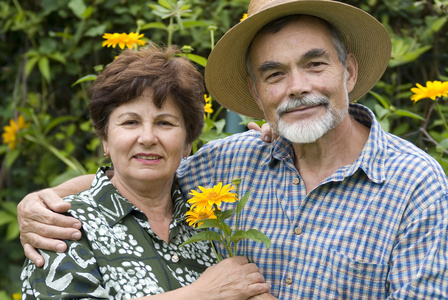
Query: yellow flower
(208,106)
(11,131)
(17,296)
(123,39)
(195,215)
(210,196)
(432,90)
(244,17)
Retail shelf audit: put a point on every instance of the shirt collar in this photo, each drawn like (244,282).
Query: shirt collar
(371,159)
(115,207)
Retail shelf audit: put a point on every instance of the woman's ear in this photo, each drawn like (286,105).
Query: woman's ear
(187,150)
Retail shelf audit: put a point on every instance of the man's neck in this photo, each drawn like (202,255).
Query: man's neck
(339,147)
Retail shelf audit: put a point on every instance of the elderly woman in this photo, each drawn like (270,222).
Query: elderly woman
(147,107)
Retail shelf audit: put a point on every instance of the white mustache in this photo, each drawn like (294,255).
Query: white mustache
(308,100)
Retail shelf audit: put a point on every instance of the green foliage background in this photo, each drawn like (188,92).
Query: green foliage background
(47,45)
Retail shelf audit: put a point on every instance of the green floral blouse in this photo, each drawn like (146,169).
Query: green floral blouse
(118,256)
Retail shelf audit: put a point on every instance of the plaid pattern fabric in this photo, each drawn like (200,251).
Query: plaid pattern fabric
(374,229)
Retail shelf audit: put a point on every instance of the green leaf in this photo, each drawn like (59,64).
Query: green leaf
(227,214)
(5,218)
(381,99)
(226,229)
(202,61)
(220,125)
(57,56)
(188,24)
(12,231)
(207,223)
(90,77)
(253,235)
(242,202)
(11,157)
(11,208)
(44,67)
(31,62)
(203,236)
(405,113)
(58,121)
(155,25)
(78,7)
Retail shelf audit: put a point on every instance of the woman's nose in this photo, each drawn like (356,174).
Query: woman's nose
(148,135)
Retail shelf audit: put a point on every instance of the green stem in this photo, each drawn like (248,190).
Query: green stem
(235,247)
(225,241)
(170,32)
(441,114)
(218,257)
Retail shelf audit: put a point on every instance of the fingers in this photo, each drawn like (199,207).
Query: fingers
(30,241)
(265,131)
(253,126)
(53,201)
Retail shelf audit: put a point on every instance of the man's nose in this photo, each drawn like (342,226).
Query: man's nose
(298,84)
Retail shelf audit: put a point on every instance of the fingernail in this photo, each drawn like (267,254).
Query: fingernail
(39,263)
(77,225)
(60,248)
(76,235)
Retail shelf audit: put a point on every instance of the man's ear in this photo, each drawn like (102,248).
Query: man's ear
(253,91)
(351,66)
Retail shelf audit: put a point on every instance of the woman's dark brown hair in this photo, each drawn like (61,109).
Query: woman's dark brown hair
(161,70)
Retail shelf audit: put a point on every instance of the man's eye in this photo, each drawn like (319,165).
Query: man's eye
(273,75)
(316,64)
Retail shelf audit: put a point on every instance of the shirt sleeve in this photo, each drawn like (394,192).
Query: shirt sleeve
(419,267)
(70,275)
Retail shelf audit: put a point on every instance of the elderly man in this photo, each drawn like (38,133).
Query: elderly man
(351,211)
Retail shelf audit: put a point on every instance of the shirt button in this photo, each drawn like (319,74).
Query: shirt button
(297,230)
(296,181)
(288,280)
(175,258)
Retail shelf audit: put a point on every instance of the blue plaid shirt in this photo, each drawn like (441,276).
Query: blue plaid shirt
(374,229)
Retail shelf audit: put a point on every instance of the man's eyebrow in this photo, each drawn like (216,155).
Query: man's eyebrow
(268,65)
(314,53)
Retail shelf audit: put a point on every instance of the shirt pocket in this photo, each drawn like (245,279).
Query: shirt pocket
(340,277)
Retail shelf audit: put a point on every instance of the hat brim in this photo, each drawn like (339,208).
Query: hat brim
(226,76)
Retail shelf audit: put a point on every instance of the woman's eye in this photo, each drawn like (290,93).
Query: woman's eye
(165,123)
(130,122)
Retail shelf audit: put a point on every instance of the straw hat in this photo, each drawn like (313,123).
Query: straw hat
(365,37)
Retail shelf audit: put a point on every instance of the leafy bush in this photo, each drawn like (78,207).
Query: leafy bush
(49,45)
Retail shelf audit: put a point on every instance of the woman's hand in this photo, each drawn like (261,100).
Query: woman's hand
(233,278)
(267,134)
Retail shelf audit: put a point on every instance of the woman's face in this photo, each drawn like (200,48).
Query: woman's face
(146,144)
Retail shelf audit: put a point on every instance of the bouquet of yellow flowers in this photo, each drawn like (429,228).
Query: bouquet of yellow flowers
(205,213)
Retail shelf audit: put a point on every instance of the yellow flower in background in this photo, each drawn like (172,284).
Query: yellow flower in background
(212,196)
(130,40)
(17,296)
(208,106)
(196,215)
(244,17)
(432,90)
(11,131)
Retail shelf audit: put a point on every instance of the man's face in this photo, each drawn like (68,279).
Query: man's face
(301,85)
